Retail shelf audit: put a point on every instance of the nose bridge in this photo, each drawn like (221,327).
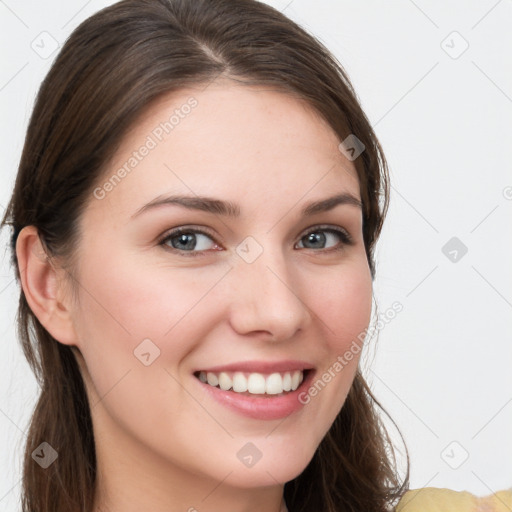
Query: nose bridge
(266,297)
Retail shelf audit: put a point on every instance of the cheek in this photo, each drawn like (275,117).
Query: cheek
(344,304)
(122,306)
(123,303)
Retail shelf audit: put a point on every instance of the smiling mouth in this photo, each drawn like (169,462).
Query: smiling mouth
(254,383)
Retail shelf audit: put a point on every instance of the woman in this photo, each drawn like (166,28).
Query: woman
(194,220)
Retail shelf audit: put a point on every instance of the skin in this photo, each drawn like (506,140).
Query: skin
(162,443)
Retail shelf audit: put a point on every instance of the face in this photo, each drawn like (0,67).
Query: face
(241,283)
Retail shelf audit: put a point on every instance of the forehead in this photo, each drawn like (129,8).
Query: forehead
(228,139)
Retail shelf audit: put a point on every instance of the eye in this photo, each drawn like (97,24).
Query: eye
(188,240)
(325,237)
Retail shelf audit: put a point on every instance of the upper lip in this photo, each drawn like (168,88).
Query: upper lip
(287,365)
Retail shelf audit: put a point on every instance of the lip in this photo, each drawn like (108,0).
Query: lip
(260,408)
(287,365)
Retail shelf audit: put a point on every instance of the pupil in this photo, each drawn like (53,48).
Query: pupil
(316,238)
(186,241)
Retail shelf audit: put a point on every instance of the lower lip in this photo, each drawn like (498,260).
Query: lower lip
(261,408)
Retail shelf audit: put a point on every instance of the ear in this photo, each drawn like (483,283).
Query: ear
(43,286)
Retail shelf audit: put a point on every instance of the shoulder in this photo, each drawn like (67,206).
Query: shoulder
(432,499)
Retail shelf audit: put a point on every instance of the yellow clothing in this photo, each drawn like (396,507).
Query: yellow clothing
(432,499)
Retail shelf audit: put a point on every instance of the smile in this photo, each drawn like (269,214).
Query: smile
(277,383)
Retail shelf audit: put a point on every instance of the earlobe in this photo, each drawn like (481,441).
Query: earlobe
(42,287)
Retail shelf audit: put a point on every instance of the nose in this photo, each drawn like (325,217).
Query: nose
(267,298)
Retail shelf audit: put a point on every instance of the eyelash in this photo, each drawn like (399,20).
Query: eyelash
(345,237)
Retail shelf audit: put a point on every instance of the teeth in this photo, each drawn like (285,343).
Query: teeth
(287,382)
(274,384)
(254,383)
(295,380)
(211,378)
(224,381)
(239,383)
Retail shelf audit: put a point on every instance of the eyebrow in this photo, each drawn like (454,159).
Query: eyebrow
(229,209)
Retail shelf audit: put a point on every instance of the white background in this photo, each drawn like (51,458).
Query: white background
(442,367)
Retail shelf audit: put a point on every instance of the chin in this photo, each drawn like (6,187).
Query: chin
(275,470)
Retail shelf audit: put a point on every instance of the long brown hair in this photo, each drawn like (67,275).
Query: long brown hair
(108,72)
